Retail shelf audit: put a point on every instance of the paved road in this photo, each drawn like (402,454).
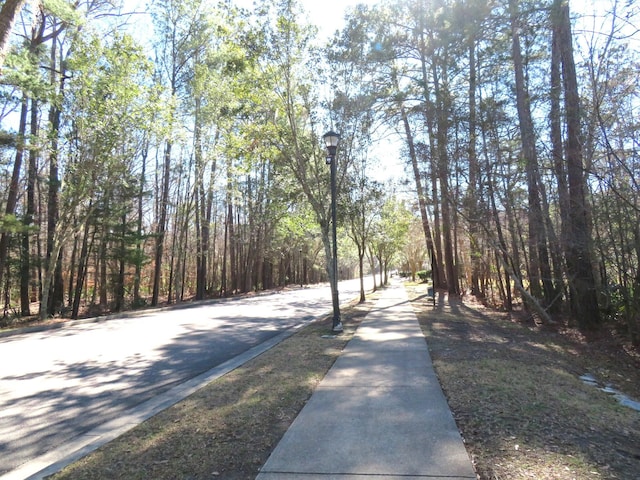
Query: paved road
(57,384)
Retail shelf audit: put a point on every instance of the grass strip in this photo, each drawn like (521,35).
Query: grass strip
(515,391)
(513,387)
(229,428)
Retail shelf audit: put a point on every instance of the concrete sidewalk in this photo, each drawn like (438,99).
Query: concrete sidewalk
(379,412)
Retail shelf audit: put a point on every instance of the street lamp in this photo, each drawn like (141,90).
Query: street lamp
(331,140)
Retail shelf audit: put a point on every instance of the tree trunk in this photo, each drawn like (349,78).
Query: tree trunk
(119,286)
(139,218)
(8,14)
(361,273)
(73,262)
(223,275)
(233,274)
(201,254)
(582,283)
(103,269)
(474,176)
(200,204)
(182,232)
(557,147)
(209,243)
(435,251)
(25,276)
(372,265)
(508,300)
(426,226)
(55,295)
(438,275)
(442,111)
(83,260)
(12,196)
(539,269)
(212,251)
(162,225)
(178,240)
(633,315)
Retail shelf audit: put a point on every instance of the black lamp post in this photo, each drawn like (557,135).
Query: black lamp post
(331,140)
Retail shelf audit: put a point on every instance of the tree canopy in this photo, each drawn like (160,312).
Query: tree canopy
(157,156)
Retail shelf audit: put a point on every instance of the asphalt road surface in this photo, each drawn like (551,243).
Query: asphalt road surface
(57,384)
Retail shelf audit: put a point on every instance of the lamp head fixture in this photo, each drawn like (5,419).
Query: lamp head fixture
(331,140)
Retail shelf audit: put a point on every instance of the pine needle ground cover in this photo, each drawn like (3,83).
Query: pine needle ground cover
(516,393)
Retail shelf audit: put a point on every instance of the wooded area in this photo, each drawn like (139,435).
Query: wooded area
(191,164)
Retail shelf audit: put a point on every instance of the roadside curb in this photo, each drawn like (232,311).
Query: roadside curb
(55,460)
(65,323)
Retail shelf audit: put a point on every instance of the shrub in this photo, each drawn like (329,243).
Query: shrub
(424,275)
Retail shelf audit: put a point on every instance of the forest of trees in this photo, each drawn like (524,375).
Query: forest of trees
(151,162)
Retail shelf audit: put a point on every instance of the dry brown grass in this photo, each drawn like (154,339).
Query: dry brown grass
(229,428)
(515,391)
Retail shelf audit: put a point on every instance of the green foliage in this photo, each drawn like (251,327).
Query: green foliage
(22,69)
(424,275)
(7,139)
(299,222)
(10,224)
(63,10)
(392,229)
(243,97)
(107,97)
